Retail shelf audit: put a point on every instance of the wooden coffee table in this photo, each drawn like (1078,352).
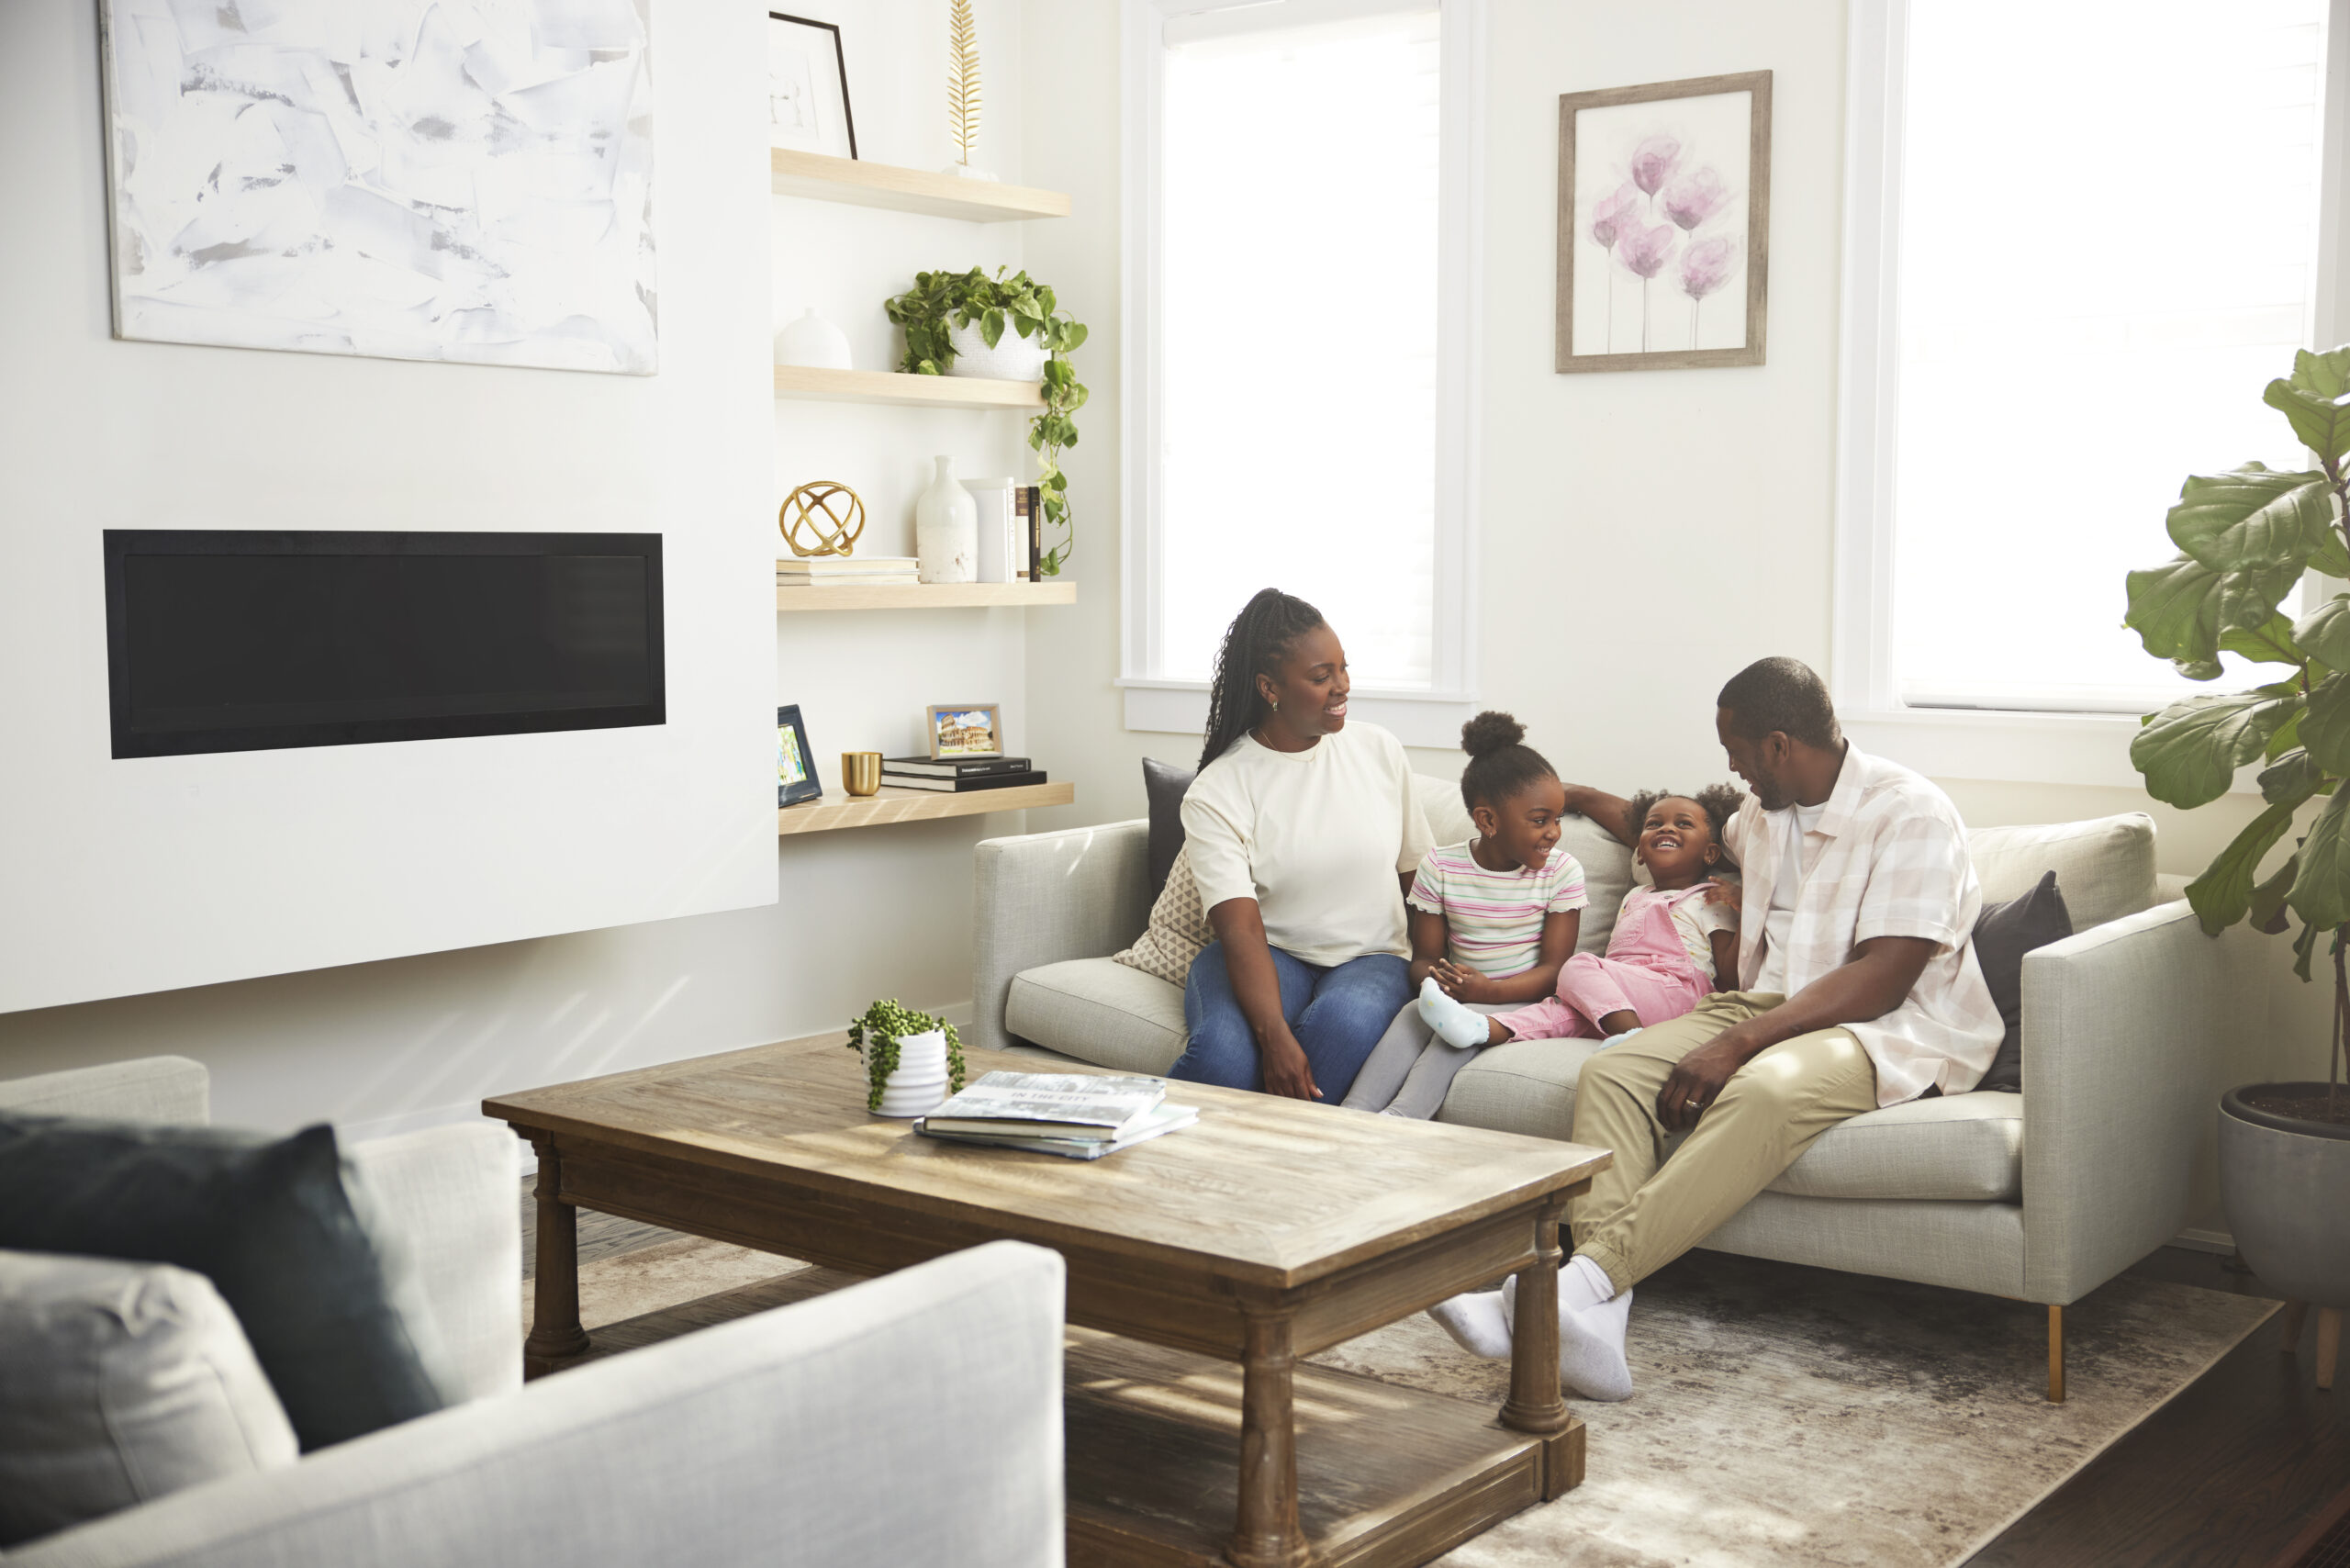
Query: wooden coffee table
(1268,1231)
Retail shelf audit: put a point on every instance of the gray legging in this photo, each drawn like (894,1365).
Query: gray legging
(1410,1070)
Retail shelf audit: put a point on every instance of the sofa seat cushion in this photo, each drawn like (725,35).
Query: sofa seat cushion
(1100,1011)
(1958,1148)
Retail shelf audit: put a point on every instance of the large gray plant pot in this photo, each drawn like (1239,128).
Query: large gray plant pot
(2286,1185)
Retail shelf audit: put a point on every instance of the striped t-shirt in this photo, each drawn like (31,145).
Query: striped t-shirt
(1494,919)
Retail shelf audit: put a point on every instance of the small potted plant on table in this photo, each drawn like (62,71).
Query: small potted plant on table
(912,1061)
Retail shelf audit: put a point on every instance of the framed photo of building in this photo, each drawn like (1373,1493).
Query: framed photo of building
(808,87)
(1664,220)
(795,762)
(964,729)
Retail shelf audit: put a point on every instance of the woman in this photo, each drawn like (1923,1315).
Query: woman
(1304,836)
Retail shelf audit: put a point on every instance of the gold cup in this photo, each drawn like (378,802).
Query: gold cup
(861,772)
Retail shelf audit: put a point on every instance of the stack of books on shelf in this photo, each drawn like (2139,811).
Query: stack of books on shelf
(1075,1116)
(842,571)
(958,775)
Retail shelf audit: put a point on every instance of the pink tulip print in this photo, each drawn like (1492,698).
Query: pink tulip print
(1653,161)
(1612,213)
(1706,265)
(1668,202)
(1644,251)
(1693,198)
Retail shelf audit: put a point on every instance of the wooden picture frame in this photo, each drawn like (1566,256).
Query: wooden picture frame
(1654,184)
(804,89)
(795,760)
(950,727)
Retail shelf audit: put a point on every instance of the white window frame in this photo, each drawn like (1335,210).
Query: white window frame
(1431,717)
(2027,748)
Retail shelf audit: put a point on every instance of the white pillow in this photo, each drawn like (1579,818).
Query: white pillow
(118,1382)
(2104,866)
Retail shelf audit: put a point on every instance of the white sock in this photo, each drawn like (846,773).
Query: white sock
(1475,1323)
(1455,1021)
(1619,1039)
(1592,1361)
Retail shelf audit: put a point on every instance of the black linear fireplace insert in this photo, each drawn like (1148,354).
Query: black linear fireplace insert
(229,640)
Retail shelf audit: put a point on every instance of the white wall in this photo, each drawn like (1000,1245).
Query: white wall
(1644,535)
(95,433)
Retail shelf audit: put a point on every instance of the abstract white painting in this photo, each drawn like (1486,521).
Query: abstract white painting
(467,179)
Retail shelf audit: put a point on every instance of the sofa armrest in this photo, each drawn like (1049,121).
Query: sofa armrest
(1081,893)
(912,1419)
(448,1200)
(152,1089)
(2122,1028)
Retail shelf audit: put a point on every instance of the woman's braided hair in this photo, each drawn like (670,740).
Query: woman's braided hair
(1255,644)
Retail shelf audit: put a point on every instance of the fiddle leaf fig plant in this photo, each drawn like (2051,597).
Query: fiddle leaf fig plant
(2245,539)
(939,302)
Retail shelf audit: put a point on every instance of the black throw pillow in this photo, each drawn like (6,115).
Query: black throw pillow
(268,1222)
(1164,784)
(2004,933)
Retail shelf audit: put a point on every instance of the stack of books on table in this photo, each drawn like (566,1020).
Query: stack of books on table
(1077,1116)
(958,775)
(844,571)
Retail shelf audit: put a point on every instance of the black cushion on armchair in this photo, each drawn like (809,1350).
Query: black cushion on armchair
(2004,933)
(268,1221)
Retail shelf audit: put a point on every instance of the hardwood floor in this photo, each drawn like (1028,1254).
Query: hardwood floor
(2246,1462)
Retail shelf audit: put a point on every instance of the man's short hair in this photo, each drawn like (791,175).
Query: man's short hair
(1785,695)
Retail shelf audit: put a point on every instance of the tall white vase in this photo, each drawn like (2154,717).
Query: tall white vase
(918,1085)
(946,529)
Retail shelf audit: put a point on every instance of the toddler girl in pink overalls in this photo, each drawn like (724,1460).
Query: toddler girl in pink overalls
(1674,941)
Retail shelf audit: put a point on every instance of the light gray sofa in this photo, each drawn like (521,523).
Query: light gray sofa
(2040,1196)
(912,1418)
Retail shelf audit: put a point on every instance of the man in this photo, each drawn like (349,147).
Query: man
(1861,988)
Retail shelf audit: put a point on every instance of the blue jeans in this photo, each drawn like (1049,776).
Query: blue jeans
(1338,1015)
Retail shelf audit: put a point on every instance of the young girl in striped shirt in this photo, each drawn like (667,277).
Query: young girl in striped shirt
(1492,918)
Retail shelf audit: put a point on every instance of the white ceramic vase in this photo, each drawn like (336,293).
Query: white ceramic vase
(946,529)
(1013,358)
(812,342)
(918,1085)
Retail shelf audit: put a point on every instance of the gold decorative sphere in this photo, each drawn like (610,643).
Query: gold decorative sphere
(832,514)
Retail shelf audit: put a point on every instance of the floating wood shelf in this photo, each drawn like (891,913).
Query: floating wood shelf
(908,391)
(814,175)
(915,805)
(922,596)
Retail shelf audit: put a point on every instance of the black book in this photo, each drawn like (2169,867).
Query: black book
(962,786)
(953,766)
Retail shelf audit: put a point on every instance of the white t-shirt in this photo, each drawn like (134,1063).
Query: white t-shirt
(1695,920)
(1315,836)
(1780,923)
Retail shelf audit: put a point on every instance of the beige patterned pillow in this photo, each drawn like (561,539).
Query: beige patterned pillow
(1178,928)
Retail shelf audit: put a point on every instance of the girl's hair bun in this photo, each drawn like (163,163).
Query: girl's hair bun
(1490,731)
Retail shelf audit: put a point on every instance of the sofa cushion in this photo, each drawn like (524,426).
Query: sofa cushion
(1606,864)
(2106,865)
(1957,1148)
(2004,933)
(1178,928)
(268,1221)
(118,1382)
(1100,1011)
(1163,784)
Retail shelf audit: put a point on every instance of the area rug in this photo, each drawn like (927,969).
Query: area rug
(1784,1416)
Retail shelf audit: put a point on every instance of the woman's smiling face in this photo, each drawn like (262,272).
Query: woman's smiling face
(1309,693)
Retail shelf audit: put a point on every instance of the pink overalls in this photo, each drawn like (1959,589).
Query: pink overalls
(1648,970)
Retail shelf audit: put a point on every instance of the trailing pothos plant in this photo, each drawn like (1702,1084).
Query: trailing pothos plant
(2245,539)
(875,1032)
(941,301)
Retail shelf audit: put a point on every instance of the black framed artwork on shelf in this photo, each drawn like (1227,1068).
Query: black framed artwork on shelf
(795,760)
(808,87)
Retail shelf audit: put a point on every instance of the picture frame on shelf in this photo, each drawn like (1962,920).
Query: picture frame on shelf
(795,760)
(964,730)
(1663,224)
(808,107)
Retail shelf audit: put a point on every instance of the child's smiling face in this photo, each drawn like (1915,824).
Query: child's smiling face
(1525,826)
(1676,842)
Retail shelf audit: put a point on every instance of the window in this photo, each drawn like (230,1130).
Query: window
(2081,238)
(1297,361)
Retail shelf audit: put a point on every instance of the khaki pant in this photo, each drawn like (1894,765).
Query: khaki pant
(1644,1210)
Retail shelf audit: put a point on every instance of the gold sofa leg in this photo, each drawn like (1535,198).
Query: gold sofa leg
(2329,1343)
(2056,1355)
(2290,1320)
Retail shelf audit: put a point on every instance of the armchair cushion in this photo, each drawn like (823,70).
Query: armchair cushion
(268,1221)
(118,1382)
(1100,1011)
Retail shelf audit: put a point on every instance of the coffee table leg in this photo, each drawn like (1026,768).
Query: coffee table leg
(1534,1403)
(1268,1535)
(555,1335)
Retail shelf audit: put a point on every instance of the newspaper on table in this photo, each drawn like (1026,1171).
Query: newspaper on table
(1068,1104)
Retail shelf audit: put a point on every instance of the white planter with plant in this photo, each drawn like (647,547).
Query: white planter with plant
(2246,539)
(912,1061)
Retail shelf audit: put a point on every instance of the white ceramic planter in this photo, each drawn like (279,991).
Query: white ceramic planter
(946,529)
(814,342)
(1013,358)
(918,1086)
